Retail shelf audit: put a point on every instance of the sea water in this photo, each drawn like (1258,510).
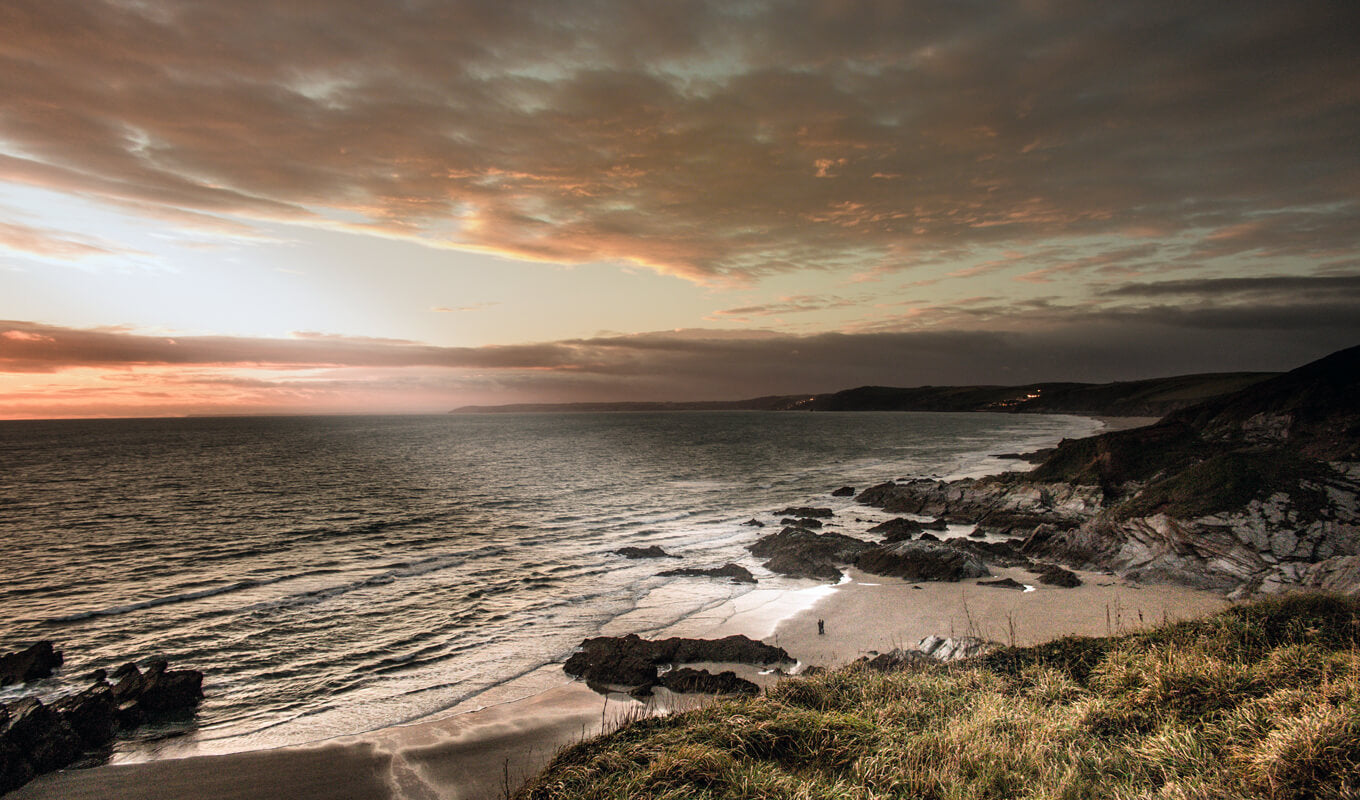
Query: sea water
(332,575)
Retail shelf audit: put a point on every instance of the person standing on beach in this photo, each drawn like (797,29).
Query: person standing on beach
(821,627)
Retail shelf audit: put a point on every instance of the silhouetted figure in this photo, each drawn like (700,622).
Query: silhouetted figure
(821,627)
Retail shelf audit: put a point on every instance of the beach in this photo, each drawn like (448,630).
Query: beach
(479,753)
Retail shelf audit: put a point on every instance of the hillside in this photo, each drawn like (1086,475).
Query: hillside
(1261,701)
(1254,491)
(1147,398)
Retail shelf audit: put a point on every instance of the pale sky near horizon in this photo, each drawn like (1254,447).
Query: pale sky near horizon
(358,206)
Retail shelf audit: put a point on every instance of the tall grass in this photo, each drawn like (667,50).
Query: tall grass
(1262,701)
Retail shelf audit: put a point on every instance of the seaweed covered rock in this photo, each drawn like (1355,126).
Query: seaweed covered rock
(654,551)
(923,561)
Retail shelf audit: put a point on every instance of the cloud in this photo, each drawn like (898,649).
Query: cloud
(49,370)
(1288,286)
(50,243)
(716,141)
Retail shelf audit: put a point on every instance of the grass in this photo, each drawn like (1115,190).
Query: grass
(1261,701)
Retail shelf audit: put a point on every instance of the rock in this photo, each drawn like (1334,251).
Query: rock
(899,529)
(1003,583)
(977,533)
(896,659)
(922,561)
(159,691)
(844,491)
(801,553)
(30,664)
(685,680)
(1054,575)
(736,572)
(754,523)
(632,661)
(15,770)
(936,525)
(92,714)
(810,524)
(45,739)
(805,511)
(929,537)
(952,649)
(654,551)
(800,565)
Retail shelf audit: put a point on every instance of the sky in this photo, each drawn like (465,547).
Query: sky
(355,206)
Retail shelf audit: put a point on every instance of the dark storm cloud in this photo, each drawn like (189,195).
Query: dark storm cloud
(1213,288)
(1057,345)
(712,140)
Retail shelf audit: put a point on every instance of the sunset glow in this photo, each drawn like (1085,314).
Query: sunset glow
(343,207)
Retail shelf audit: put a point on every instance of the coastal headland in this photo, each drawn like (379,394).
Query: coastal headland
(1250,493)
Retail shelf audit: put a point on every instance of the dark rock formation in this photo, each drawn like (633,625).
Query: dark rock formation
(922,561)
(654,551)
(46,741)
(844,491)
(30,664)
(92,714)
(687,680)
(1003,583)
(754,523)
(805,511)
(898,529)
(799,565)
(632,661)
(810,524)
(1054,575)
(736,572)
(929,537)
(801,553)
(36,737)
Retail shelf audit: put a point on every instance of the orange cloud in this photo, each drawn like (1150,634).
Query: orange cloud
(695,140)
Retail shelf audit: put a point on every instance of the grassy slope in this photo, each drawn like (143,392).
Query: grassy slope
(1262,701)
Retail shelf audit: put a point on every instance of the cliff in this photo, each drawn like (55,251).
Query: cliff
(1252,492)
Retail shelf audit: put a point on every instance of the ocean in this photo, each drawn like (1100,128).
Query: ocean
(334,575)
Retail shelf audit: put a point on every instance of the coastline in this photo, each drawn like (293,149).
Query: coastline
(499,739)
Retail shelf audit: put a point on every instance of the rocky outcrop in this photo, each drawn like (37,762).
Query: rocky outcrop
(1054,575)
(686,680)
(36,737)
(805,511)
(922,561)
(810,524)
(34,662)
(633,661)
(654,551)
(930,650)
(801,553)
(844,491)
(1250,493)
(735,572)
(1003,583)
(898,529)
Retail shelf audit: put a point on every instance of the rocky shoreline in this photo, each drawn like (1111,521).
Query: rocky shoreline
(38,737)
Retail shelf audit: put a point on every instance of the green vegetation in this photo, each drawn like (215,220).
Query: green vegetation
(1229,481)
(1261,701)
